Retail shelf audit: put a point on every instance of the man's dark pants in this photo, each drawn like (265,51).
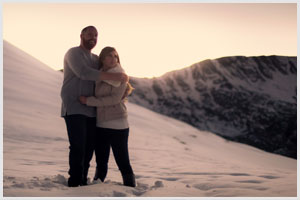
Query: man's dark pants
(81,133)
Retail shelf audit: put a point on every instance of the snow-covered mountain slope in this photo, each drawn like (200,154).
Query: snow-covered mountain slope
(169,157)
(246,99)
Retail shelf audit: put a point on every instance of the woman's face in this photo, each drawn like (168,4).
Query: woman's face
(111,59)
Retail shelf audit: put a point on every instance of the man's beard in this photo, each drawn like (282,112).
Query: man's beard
(88,45)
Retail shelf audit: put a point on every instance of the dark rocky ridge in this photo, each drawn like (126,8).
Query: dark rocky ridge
(245,99)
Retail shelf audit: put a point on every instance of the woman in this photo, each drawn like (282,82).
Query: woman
(112,123)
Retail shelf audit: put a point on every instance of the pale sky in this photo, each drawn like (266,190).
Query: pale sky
(153,38)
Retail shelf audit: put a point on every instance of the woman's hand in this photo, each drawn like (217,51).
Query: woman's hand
(82,99)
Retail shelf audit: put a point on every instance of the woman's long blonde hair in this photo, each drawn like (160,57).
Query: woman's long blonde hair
(128,90)
(104,52)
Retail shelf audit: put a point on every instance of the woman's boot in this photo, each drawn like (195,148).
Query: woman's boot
(129,180)
(100,174)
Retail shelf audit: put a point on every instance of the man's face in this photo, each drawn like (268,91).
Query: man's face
(89,38)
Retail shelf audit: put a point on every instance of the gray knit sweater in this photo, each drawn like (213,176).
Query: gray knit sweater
(80,74)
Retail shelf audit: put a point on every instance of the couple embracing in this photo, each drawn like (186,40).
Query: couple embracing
(93,96)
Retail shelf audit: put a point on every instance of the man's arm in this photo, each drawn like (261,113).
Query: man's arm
(76,62)
(114,98)
(81,69)
(114,76)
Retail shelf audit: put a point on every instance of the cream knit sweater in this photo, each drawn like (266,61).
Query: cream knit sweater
(108,99)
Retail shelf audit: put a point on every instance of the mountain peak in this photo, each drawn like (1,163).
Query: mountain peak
(245,99)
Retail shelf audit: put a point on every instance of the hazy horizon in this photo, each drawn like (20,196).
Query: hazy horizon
(186,66)
(154,38)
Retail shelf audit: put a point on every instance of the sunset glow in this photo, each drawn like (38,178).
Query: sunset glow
(153,38)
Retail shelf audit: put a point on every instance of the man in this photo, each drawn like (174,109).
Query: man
(80,74)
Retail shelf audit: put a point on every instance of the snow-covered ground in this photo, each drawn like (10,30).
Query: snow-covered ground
(170,158)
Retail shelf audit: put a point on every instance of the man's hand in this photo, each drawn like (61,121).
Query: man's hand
(124,78)
(114,76)
(82,99)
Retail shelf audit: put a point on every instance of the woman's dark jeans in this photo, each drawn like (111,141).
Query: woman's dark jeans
(118,140)
(81,133)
